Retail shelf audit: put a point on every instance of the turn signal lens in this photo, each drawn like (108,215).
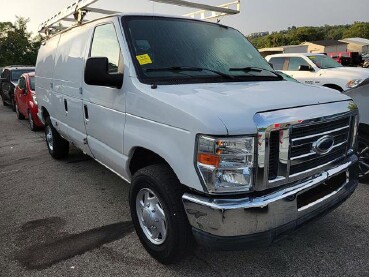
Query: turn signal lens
(208,159)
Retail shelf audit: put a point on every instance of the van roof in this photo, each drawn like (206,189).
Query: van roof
(131,14)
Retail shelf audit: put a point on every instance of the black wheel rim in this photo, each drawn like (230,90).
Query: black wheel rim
(363,152)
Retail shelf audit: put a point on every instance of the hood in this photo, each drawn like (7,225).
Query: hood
(350,72)
(198,107)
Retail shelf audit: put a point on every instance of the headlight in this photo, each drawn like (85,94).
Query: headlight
(226,165)
(34,99)
(354,83)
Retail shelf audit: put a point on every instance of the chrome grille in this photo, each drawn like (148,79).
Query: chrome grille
(302,156)
(286,137)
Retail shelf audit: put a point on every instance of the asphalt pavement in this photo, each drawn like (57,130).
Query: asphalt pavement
(71,218)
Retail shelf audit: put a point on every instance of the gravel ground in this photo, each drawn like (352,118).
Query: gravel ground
(71,218)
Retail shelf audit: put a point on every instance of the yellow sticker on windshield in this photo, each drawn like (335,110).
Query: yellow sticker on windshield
(144,59)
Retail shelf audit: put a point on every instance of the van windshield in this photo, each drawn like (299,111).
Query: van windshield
(186,51)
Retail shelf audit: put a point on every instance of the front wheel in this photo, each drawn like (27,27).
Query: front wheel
(58,146)
(3,99)
(20,116)
(158,213)
(32,125)
(13,103)
(363,153)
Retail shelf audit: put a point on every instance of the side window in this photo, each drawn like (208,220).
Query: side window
(295,62)
(22,83)
(105,44)
(278,63)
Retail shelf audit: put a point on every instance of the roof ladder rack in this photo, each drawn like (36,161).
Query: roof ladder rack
(81,8)
(231,8)
(204,14)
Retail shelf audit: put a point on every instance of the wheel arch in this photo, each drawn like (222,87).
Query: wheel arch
(334,86)
(141,157)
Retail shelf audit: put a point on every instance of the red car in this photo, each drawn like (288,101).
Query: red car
(25,101)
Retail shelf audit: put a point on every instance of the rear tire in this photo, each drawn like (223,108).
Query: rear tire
(158,214)
(58,147)
(4,103)
(19,115)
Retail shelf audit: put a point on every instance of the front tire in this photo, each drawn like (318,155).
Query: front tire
(19,115)
(58,147)
(158,214)
(32,125)
(13,103)
(3,99)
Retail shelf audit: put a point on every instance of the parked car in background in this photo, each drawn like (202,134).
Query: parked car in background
(319,70)
(25,101)
(366,63)
(9,80)
(361,96)
(347,58)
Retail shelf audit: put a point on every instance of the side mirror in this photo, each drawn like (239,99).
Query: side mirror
(97,73)
(306,68)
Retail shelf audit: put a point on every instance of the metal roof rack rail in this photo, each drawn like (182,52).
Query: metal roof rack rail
(207,12)
(81,8)
(231,8)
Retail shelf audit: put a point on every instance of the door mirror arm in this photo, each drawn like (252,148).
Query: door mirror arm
(97,73)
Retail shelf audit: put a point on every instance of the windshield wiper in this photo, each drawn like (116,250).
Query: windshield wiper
(189,68)
(255,69)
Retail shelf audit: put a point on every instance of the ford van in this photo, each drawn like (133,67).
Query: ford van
(217,147)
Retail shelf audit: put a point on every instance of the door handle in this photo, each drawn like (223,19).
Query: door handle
(66,105)
(86,111)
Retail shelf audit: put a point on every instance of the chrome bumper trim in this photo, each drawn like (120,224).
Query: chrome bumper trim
(250,215)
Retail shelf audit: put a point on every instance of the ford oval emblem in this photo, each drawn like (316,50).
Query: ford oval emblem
(323,145)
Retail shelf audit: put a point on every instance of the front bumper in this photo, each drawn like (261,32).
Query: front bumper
(231,224)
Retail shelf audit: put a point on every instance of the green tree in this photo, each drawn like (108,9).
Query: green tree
(294,35)
(358,29)
(16,44)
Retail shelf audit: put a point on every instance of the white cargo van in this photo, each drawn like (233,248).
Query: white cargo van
(215,144)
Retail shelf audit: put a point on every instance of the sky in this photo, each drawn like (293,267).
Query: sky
(255,16)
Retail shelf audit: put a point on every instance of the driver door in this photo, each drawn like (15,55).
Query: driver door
(293,70)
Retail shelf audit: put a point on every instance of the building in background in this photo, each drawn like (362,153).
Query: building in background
(326,46)
(283,50)
(360,45)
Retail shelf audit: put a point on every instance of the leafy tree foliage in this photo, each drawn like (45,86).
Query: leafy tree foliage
(301,34)
(16,44)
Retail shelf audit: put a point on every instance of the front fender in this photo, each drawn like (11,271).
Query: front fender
(174,145)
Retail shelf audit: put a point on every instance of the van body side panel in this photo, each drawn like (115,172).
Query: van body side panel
(106,107)
(68,78)
(45,66)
